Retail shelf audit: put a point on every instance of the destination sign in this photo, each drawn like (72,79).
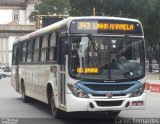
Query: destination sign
(105,26)
(88,70)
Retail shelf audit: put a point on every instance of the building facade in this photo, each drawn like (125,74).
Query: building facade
(14,23)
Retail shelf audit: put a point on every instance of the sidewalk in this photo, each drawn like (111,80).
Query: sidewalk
(153,78)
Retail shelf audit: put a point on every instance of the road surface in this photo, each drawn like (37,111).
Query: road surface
(11,106)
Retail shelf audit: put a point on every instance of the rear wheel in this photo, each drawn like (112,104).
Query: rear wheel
(56,112)
(24,97)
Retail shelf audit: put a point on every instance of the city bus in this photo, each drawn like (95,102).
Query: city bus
(83,64)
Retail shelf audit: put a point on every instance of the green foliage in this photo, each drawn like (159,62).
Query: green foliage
(50,7)
(32,16)
(147,11)
(53,6)
(85,7)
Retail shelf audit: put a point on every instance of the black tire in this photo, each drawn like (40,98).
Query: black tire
(56,112)
(24,97)
(114,113)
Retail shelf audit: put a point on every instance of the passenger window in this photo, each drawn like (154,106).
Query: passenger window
(14,55)
(36,50)
(53,40)
(44,48)
(29,51)
(62,50)
(43,55)
(44,42)
(24,52)
(52,47)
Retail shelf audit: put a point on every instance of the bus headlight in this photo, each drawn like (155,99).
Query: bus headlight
(77,91)
(138,91)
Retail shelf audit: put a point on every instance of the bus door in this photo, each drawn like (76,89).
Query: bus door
(62,63)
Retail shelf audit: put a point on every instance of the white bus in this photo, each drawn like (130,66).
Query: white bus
(83,64)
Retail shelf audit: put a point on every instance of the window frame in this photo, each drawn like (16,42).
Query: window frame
(45,48)
(36,50)
(29,51)
(24,53)
(16,15)
(14,54)
(52,48)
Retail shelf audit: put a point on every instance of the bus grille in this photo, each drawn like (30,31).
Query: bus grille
(109,103)
(104,95)
(108,87)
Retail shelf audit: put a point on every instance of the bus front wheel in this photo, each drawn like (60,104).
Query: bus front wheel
(56,112)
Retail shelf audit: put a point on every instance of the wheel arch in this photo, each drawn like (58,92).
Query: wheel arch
(21,83)
(49,89)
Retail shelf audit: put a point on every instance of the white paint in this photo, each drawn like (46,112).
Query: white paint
(22,17)
(29,9)
(6,16)
(11,40)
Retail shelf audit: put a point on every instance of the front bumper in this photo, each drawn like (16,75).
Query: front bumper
(75,104)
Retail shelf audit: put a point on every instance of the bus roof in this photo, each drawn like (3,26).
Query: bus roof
(66,23)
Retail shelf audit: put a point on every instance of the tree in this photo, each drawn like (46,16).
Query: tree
(50,7)
(152,29)
(85,7)
(147,11)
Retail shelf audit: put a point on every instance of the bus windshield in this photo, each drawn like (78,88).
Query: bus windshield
(107,58)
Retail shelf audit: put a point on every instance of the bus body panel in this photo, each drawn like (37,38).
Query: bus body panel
(13,78)
(37,76)
(36,87)
(81,104)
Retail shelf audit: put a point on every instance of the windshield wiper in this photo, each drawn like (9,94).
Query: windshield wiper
(92,42)
(123,42)
(95,48)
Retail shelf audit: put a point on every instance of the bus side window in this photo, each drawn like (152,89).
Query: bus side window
(44,48)
(62,50)
(14,55)
(29,51)
(24,50)
(36,50)
(20,53)
(52,51)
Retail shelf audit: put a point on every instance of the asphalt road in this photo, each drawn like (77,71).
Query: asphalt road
(12,107)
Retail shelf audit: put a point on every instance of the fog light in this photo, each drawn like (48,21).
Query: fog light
(127,104)
(137,103)
(91,105)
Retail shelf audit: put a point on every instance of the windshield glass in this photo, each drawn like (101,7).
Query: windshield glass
(107,58)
